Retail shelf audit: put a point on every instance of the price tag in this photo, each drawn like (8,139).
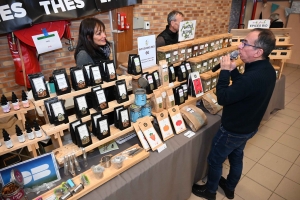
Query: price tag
(189,134)
(161,148)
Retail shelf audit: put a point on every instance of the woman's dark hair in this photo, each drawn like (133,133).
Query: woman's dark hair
(86,34)
(266,40)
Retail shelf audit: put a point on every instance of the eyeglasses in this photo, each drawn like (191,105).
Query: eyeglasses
(244,44)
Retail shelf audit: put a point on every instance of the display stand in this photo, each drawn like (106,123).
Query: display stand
(31,144)
(282,51)
(108,174)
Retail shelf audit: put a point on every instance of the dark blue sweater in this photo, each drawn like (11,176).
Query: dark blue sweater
(246,100)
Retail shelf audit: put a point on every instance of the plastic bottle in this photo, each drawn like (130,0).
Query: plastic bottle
(51,85)
(5,104)
(29,131)
(7,140)
(20,134)
(15,101)
(37,129)
(25,102)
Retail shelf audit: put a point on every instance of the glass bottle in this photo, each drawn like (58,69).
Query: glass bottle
(7,140)
(25,102)
(5,104)
(37,129)
(15,101)
(29,131)
(20,134)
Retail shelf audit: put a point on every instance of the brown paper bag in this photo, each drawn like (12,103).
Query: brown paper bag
(194,117)
(157,101)
(210,103)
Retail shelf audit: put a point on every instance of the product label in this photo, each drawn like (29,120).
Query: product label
(100,96)
(79,76)
(61,81)
(39,84)
(21,138)
(96,73)
(178,123)
(57,108)
(81,101)
(30,136)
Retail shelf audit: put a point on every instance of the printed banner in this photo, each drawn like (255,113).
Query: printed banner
(19,14)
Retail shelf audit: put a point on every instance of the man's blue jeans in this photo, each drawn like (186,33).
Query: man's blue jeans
(226,144)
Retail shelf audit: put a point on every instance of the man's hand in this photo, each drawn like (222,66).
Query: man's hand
(226,63)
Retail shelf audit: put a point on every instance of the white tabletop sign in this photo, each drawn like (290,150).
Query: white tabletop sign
(45,43)
(259,23)
(187,30)
(147,51)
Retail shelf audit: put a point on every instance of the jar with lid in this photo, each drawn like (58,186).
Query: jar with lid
(181,51)
(135,112)
(14,189)
(140,97)
(146,109)
(203,68)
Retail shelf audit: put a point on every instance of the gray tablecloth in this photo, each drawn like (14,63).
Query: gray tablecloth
(168,175)
(277,99)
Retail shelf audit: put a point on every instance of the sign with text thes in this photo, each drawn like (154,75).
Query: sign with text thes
(147,51)
(262,23)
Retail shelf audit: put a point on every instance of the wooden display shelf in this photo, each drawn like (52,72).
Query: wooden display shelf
(17,112)
(51,129)
(70,148)
(17,145)
(74,93)
(108,174)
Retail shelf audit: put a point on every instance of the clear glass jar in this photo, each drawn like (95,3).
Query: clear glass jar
(135,112)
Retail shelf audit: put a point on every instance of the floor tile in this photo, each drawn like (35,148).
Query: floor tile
(287,100)
(290,141)
(279,126)
(297,123)
(275,163)
(275,197)
(291,94)
(269,133)
(284,152)
(284,119)
(297,162)
(250,190)
(294,174)
(296,101)
(293,131)
(264,176)
(290,113)
(288,189)
(293,106)
(261,141)
(253,152)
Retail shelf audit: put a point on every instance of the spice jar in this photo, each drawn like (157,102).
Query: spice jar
(146,109)
(174,52)
(196,63)
(181,51)
(14,189)
(203,68)
(164,53)
(135,112)
(140,97)
(206,81)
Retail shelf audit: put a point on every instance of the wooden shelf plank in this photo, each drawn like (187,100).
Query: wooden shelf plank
(74,93)
(18,145)
(108,174)
(51,129)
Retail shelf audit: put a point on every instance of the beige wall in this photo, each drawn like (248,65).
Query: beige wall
(212,18)
(292,22)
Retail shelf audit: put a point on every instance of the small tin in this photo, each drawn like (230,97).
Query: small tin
(146,109)
(135,112)
(79,188)
(140,97)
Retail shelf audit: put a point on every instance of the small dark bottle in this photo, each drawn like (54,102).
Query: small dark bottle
(37,129)
(20,134)
(15,101)
(25,102)
(5,104)
(29,131)
(7,140)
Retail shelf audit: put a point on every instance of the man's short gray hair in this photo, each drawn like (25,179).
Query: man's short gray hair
(172,16)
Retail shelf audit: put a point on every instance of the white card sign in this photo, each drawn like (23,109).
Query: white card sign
(47,43)
(259,23)
(187,30)
(147,51)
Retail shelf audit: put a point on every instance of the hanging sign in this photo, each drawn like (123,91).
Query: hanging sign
(186,30)
(263,23)
(147,51)
(47,42)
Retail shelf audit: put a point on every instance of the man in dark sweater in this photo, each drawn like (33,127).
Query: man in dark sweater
(170,34)
(244,104)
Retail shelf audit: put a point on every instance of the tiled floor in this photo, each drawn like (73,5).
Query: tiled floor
(272,157)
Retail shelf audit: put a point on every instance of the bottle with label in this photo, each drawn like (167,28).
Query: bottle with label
(15,101)
(20,134)
(51,85)
(37,129)
(29,131)
(7,140)
(5,104)
(25,102)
